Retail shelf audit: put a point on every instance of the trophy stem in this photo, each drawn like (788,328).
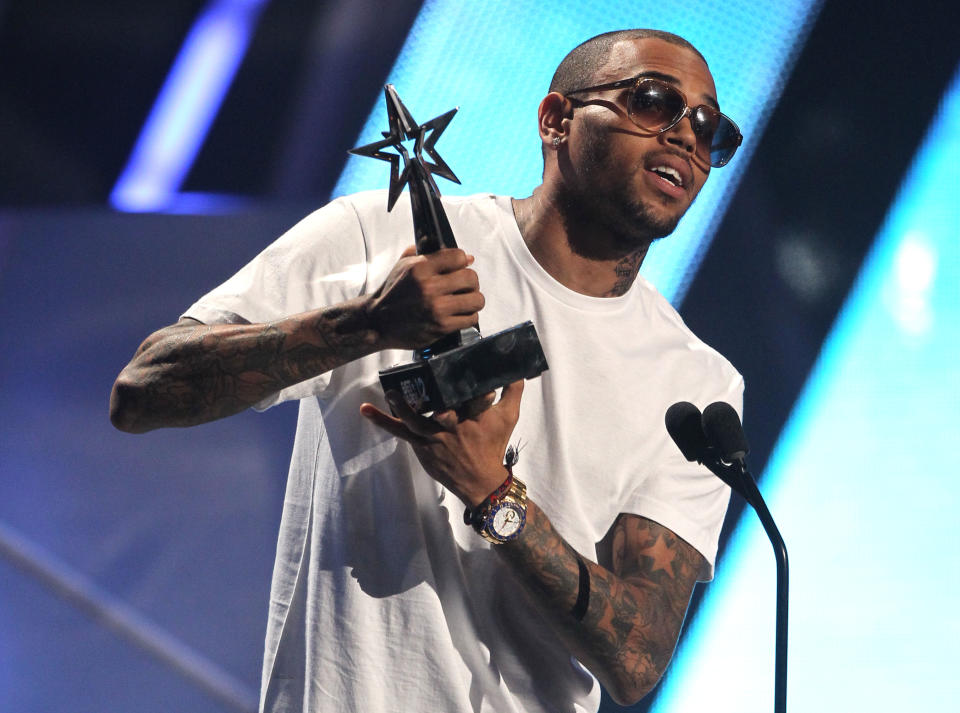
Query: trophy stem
(460,366)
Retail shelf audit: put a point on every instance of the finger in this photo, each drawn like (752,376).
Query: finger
(414,422)
(474,407)
(393,426)
(510,399)
(449,260)
(456,323)
(464,280)
(467,303)
(409,251)
(447,420)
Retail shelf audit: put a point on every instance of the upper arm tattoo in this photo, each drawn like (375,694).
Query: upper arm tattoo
(643,548)
(649,555)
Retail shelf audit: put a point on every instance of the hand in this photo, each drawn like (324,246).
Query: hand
(462,452)
(425,297)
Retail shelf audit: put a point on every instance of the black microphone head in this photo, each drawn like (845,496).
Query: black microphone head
(685,428)
(723,430)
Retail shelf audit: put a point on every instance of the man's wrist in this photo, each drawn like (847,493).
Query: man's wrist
(363,321)
(501,517)
(472,512)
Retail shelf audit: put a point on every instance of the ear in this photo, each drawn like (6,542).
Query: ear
(554,109)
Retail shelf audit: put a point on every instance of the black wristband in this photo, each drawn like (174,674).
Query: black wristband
(583,594)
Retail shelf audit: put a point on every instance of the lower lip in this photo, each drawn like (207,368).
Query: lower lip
(664,185)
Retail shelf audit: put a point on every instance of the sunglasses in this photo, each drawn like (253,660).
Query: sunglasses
(655,106)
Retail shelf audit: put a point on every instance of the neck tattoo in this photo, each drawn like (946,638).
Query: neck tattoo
(626,272)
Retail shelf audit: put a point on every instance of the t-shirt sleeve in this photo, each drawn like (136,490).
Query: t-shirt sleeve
(321,261)
(682,496)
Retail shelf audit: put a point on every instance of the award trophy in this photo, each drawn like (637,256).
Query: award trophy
(461,365)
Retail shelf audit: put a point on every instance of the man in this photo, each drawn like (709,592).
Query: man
(383,598)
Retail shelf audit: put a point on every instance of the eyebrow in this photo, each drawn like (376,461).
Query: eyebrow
(670,79)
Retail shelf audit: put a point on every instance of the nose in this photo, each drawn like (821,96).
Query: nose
(681,134)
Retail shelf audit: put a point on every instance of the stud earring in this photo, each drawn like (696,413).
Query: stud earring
(556,142)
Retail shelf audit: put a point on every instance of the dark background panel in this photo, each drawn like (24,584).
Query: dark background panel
(77,80)
(300,98)
(860,99)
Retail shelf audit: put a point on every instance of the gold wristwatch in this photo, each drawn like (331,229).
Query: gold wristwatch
(503,520)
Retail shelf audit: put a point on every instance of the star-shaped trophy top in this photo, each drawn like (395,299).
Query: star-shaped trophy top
(403,127)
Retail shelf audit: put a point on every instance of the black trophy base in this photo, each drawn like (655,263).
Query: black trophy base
(449,379)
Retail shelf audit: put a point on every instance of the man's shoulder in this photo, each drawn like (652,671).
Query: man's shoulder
(362,201)
(372,206)
(478,199)
(376,199)
(671,329)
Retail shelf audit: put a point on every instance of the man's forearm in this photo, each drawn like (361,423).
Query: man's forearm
(627,634)
(187,374)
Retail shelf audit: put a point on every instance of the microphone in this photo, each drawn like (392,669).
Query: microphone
(684,426)
(688,430)
(722,429)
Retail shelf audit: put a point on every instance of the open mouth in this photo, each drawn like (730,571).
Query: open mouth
(671,175)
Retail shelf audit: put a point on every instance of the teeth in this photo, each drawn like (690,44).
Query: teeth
(670,173)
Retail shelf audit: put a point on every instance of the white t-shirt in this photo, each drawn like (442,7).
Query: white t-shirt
(382,599)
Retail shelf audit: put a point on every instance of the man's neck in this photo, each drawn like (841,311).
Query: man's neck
(553,241)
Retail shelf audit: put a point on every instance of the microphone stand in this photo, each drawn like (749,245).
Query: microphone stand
(738,477)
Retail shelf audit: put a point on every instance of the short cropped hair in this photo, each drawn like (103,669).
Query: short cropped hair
(580,66)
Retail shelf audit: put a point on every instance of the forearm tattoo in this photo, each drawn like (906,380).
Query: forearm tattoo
(189,374)
(635,612)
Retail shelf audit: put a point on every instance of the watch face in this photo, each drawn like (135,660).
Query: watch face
(507,521)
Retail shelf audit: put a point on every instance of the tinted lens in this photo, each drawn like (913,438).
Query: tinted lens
(717,136)
(655,105)
(705,124)
(726,140)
